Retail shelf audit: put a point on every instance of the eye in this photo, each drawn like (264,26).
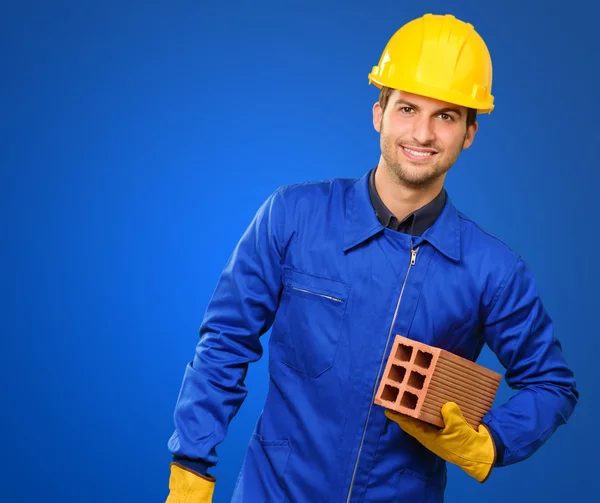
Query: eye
(407,110)
(446,117)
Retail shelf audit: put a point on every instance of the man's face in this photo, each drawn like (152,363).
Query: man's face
(421,138)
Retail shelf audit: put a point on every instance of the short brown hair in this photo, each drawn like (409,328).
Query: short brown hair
(386,92)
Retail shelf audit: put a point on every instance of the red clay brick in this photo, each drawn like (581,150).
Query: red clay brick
(419,379)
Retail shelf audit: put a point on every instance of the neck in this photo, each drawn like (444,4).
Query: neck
(402,199)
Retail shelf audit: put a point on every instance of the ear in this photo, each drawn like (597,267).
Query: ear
(470,136)
(377,116)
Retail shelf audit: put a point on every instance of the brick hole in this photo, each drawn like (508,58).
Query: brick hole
(423,359)
(397,373)
(390,394)
(404,353)
(409,400)
(416,380)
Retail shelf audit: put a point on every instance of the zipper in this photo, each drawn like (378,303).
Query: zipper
(335,299)
(413,261)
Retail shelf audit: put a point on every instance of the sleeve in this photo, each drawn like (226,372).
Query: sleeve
(241,309)
(520,332)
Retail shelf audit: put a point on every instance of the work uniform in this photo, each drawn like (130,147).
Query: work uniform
(335,284)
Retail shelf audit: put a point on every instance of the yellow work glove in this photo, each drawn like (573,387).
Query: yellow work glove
(458,443)
(186,486)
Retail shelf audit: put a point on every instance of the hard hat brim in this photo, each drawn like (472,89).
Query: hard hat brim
(438,94)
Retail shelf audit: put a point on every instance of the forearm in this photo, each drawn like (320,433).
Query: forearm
(524,423)
(212,391)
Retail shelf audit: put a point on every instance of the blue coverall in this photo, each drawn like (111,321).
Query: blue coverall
(335,285)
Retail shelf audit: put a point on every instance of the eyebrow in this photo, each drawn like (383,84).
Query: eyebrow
(440,111)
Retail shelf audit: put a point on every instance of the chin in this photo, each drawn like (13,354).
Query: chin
(414,177)
(418,179)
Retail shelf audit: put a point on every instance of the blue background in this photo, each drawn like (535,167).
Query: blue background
(138,140)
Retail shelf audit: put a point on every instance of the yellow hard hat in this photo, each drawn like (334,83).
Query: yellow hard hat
(439,57)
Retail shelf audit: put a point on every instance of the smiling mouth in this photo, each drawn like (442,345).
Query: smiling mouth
(418,155)
(423,154)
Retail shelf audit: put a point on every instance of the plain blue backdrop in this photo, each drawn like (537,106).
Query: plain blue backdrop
(139,138)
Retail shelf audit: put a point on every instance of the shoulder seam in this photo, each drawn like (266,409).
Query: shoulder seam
(487,233)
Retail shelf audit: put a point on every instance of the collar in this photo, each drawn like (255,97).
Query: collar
(415,223)
(361,222)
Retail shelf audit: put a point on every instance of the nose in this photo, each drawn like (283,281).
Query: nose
(423,130)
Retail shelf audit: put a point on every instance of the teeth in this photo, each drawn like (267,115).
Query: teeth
(420,154)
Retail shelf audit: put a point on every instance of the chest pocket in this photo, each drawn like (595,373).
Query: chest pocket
(309,321)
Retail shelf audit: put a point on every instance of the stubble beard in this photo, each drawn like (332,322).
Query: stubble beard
(417,176)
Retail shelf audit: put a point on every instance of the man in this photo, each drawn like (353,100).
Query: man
(337,269)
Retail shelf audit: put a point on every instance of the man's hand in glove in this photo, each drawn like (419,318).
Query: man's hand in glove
(458,443)
(189,487)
